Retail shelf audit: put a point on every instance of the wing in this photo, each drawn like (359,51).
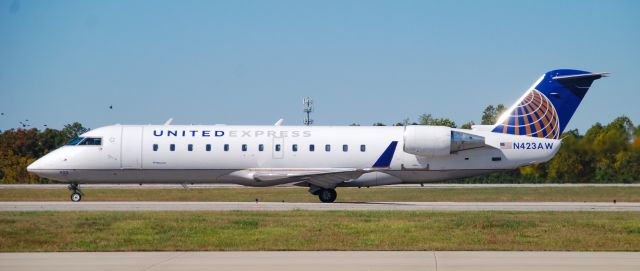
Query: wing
(321,177)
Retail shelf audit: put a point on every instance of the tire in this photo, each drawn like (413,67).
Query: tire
(328,195)
(75,197)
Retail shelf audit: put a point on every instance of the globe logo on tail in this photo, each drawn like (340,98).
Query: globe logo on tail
(534,116)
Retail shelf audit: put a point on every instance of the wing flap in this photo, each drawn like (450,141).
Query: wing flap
(333,179)
(325,178)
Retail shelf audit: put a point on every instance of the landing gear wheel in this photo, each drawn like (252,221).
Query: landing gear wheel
(76,194)
(327,195)
(75,197)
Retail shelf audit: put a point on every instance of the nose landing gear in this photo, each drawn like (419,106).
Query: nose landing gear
(76,194)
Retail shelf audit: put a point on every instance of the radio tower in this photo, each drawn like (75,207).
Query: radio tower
(308,108)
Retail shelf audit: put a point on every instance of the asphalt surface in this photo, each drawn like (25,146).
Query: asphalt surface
(198,186)
(322,260)
(286,206)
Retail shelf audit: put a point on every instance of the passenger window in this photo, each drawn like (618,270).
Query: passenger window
(172,147)
(190,147)
(277,147)
(208,147)
(345,148)
(155,147)
(363,148)
(75,141)
(294,147)
(327,147)
(261,147)
(226,147)
(312,147)
(244,147)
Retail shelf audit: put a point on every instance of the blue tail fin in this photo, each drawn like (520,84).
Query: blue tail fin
(546,108)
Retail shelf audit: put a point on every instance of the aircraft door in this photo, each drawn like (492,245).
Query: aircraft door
(278,148)
(131,147)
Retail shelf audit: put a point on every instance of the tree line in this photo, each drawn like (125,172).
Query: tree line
(605,153)
(20,147)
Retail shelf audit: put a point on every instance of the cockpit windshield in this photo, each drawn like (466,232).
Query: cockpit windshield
(75,141)
(94,141)
(90,141)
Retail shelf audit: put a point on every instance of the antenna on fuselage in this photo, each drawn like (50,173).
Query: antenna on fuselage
(168,122)
(308,108)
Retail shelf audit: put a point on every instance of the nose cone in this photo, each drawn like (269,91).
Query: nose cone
(44,167)
(35,166)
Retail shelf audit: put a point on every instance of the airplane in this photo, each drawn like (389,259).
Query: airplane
(322,157)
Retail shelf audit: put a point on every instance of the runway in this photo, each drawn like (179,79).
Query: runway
(210,186)
(347,206)
(322,260)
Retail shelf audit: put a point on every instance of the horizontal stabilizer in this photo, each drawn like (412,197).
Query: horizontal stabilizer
(592,76)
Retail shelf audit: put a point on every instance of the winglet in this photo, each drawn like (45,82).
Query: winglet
(387,156)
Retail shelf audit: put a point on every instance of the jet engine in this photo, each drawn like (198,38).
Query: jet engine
(438,140)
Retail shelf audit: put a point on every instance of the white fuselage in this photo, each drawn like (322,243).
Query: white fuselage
(142,154)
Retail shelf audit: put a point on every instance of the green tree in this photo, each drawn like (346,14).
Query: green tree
(533,173)
(491,114)
(636,141)
(20,147)
(427,119)
(404,122)
(73,130)
(610,144)
(51,139)
(627,165)
(568,164)
(14,168)
(468,125)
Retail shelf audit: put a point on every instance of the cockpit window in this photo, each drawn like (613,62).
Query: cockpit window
(90,141)
(93,141)
(75,141)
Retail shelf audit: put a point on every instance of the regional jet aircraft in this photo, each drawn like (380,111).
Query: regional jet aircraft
(322,157)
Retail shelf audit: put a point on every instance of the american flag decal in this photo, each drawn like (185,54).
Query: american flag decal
(506,145)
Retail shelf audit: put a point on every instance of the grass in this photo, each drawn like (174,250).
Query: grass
(569,194)
(314,230)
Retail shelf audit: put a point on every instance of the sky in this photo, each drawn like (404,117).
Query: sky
(252,62)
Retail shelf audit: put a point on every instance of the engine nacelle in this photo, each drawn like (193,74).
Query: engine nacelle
(427,140)
(438,140)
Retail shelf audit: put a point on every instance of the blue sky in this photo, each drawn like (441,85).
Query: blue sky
(252,62)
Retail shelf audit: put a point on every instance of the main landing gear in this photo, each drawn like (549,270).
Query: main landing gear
(76,194)
(325,195)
